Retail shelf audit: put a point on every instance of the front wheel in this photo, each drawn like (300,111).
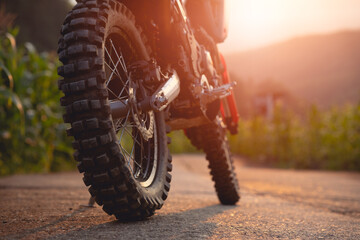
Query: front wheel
(211,138)
(125,161)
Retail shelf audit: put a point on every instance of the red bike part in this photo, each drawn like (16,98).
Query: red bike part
(228,106)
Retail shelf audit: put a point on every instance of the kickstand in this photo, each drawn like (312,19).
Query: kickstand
(90,203)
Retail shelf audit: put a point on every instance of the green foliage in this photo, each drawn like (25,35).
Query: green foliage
(32,136)
(180,143)
(322,140)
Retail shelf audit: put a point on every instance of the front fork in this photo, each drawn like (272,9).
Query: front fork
(228,106)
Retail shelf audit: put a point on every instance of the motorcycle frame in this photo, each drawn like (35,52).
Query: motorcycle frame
(162,18)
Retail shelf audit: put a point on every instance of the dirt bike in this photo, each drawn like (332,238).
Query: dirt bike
(132,72)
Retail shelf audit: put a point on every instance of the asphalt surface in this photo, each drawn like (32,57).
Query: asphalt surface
(275,204)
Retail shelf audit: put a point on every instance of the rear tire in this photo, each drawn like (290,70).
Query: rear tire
(130,182)
(211,138)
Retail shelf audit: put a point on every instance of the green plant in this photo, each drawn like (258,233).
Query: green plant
(322,140)
(31,130)
(180,143)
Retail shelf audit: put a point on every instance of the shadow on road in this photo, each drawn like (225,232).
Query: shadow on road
(191,224)
(27,232)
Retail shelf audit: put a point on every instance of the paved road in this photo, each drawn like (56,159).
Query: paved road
(275,204)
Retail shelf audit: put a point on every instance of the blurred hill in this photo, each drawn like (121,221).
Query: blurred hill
(320,69)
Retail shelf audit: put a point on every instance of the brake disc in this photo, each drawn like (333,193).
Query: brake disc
(144,121)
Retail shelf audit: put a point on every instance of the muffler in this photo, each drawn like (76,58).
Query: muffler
(162,97)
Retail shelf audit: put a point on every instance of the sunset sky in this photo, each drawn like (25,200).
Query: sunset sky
(255,23)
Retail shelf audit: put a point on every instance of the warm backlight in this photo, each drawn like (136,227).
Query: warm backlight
(255,23)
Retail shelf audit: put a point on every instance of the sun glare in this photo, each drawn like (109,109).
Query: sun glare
(260,22)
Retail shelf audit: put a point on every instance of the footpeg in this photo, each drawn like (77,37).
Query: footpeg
(211,94)
(220,92)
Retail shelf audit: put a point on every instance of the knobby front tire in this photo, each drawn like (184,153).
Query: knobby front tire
(211,138)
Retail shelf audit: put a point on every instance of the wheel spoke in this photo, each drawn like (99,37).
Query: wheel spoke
(140,144)
(128,132)
(131,154)
(112,73)
(112,69)
(122,132)
(118,126)
(121,99)
(127,157)
(112,61)
(121,58)
(127,82)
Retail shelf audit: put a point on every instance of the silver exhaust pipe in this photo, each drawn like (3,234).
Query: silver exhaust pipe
(166,93)
(163,96)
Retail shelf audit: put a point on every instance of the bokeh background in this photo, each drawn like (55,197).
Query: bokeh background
(296,63)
